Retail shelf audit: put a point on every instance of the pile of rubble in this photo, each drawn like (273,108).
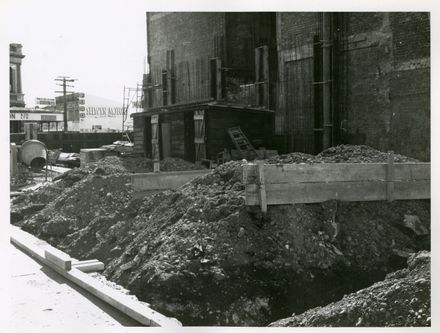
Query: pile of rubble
(402,299)
(199,254)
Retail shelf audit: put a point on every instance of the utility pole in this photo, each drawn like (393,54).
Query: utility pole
(64,80)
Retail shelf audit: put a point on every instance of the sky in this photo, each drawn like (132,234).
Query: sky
(102,45)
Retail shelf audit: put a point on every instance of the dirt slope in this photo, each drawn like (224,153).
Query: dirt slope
(199,254)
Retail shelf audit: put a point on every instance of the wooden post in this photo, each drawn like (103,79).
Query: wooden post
(199,135)
(262,187)
(155,142)
(390,176)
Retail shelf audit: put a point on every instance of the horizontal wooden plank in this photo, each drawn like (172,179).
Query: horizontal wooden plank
(328,172)
(164,180)
(278,194)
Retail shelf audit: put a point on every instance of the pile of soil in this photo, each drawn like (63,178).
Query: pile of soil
(139,164)
(402,299)
(25,205)
(341,154)
(177,164)
(199,254)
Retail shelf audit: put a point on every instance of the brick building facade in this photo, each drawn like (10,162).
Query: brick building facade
(202,80)
(380,80)
(312,80)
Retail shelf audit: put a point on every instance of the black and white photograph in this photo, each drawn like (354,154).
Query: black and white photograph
(223,165)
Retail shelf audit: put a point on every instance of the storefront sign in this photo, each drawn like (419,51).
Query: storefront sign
(103,111)
(35,116)
(45,101)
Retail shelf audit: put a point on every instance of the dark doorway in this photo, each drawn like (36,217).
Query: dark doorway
(147,137)
(190,153)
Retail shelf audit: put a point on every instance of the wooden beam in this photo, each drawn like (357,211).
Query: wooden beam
(164,180)
(307,183)
(262,187)
(390,176)
(279,194)
(332,172)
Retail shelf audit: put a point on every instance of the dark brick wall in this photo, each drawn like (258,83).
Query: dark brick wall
(190,34)
(411,35)
(360,22)
(197,37)
(388,82)
(193,36)
(244,33)
(383,80)
(297,29)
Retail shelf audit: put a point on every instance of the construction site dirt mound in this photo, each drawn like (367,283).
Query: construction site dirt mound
(140,164)
(402,299)
(199,254)
(341,154)
(33,201)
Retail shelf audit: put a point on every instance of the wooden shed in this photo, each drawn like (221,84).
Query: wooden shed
(199,131)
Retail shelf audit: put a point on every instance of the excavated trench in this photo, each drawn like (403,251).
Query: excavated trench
(259,303)
(198,254)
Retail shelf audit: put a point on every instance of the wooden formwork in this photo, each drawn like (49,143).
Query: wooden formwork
(277,184)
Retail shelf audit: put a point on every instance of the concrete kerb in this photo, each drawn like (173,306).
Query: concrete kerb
(135,309)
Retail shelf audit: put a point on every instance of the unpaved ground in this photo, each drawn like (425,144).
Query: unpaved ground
(402,299)
(199,254)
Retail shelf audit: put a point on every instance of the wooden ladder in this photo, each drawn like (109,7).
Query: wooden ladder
(242,143)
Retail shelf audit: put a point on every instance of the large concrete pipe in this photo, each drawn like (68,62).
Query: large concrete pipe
(33,153)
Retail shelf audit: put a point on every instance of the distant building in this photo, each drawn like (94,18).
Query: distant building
(45,103)
(16,97)
(90,113)
(48,119)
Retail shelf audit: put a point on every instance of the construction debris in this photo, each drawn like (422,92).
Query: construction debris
(199,254)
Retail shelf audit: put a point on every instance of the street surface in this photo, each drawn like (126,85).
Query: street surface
(40,298)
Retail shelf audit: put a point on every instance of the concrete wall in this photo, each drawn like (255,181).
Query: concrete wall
(381,78)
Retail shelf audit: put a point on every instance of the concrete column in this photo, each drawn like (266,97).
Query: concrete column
(18,75)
